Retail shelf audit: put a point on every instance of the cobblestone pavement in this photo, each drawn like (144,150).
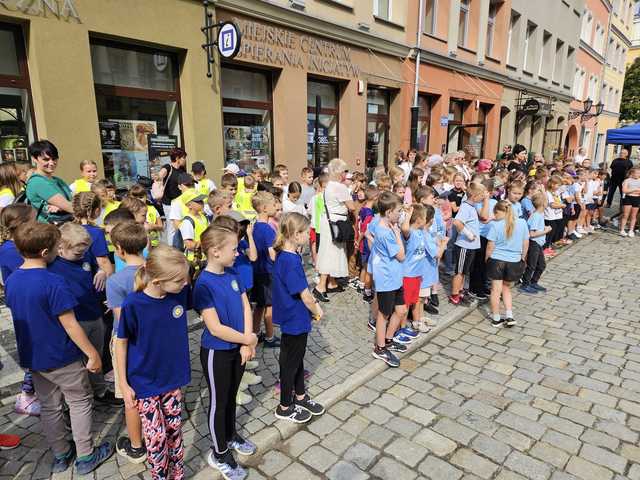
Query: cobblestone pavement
(551,398)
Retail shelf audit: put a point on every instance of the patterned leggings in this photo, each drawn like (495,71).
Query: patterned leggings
(162,430)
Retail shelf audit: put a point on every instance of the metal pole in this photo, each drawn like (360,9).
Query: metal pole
(316,137)
(414,110)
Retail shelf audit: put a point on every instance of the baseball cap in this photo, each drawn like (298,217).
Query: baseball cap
(483,165)
(237,216)
(232,168)
(194,196)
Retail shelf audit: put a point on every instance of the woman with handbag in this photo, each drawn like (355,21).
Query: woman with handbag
(165,187)
(336,229)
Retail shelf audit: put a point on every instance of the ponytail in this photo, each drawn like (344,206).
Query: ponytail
(163,263)
(290,224)
(141,280)
(509,222)
(84,205)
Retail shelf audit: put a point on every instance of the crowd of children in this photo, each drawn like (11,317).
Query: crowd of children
(100,303)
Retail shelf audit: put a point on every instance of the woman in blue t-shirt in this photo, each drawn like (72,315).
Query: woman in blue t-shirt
(227,344)
(293,305)
(152,351)
(508,242)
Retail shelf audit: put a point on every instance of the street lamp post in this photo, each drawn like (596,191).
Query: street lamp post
(586,114)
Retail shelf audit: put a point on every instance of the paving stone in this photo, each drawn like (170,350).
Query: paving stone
(527,466)
(600,439)
(344,471)
(454,431)
(586,470)
(391,403)
(406,451)
(490,448)
(338,441)
(318,458)
(296,471)
(521,424)
(376,435)
(362,455)
(391,469)
(602,457)
(515,439)
(324,425)
(549,454)
(299,443)
(437,469)
(376,414)
(403,426)
(363,396)
(467,460)
(273,462)
(435,442)
(418,415)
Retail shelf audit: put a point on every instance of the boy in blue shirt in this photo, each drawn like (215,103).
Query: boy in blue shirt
(53,345)
(388,254)
(129,239)
(535,256)
(264,203)
(467,244)
(478,283)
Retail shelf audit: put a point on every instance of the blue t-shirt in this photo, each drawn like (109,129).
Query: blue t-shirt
(120,264)
(468,215)
(517,209)
(430,271)
(158,342)
(364,213)
(484,227)
(98,246)
(414,254)
(438,227)
(79,276)
(243,266)
(289,281)
(119,285)
(536,222)
(222,292)
(10,259)
(371,228)
(387,269)
(508,249)
(527,207)
(263,236)
(36,298)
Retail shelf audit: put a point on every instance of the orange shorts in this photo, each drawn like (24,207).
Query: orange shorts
(411,287)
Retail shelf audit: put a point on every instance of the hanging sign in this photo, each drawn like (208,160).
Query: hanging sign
(228,40)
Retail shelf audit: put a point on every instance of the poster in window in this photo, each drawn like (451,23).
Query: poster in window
(160,147)
(109,135)
(247,146)
(8,155)
(125,168)
(132,157)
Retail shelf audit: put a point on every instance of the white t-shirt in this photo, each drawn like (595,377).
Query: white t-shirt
(187,231)
(552,213)
(335,195)
(6,199)
(288,206)
(307,194)
(176,210)
(406,168)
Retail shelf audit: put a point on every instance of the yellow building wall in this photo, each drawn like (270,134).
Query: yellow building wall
(62,86)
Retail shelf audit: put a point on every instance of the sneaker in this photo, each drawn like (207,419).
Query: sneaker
(336,289)
(243,398)
(422,327)
(510,322)
(431,309)
(133,455)
(250,379)
(401,338)
(227,466)
(63,462)
(394,346)
(455,299)
(632,233)
(295,414)
(109,398)
(549,252)
(538,287)
(251,365)
(481,297)
(100,455)
(623,233)
(497,323)
(573,236)
(371,325)
(314,408)
(615,220)
(367,298)
(409,331)
(434,300)
(320,296)
(528,289)
(8,442)
(581,231)
(242,446)
(386,356)
(273,343)
(27,404)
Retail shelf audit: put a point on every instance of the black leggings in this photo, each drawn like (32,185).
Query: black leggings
(557,229)
(616,183)
(223,371)
(478,282)
(535,264)
(292,349)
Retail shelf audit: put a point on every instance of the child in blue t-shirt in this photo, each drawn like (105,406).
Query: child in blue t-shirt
(152,351)
(467,243)
(530,189)
(365,216)
(388,253)
(77,266)
(506,251)
(264,203)
(129,240)
(53,346)
(227,343)
(11,217)
(293,307)
(514,195)
(479,286)
(535,256)
(369,296)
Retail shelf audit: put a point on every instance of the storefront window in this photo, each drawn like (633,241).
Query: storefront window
(247,111)
(424,122)
(377,127)
(138,102)
(322,122)
(16,124)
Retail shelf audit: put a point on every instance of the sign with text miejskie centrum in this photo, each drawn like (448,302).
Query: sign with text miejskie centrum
(286,48)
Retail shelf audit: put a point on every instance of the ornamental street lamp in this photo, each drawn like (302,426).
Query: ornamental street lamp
(586,114)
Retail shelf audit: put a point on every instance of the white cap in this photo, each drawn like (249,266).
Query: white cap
(232,168)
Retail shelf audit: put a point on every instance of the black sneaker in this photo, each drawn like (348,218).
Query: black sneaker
(109,398)
(386,356)
(481,297)
(394,346)
(431,309)
(336,289)
(368,298)
(133,455)
(510,322)
(371,325)
(320,296)
(273,343)
(434,300)
(312,407)
(294,413)
(497,323)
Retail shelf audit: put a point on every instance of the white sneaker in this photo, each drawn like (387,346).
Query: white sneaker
(623,233)
(581,231)
(422,327)
(576,233)
(251,365)
(250,379)
(243,398)
(632,233)
(615,222)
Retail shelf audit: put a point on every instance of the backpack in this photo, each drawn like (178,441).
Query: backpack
(178,241)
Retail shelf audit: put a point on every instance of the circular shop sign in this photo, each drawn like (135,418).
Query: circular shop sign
(228,40)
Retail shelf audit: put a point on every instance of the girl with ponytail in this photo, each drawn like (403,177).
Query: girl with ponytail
(86,209)
(508,242)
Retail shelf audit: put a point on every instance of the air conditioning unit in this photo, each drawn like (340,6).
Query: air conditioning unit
(297,4)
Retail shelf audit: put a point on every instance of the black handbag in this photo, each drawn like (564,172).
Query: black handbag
(341,230)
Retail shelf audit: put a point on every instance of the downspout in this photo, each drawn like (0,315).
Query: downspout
(415,107)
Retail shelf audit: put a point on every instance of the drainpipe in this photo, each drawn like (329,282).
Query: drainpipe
(415,108)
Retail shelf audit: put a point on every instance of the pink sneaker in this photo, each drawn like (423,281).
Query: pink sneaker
(27,404)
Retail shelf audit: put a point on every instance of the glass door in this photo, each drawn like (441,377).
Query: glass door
(322,122)
(377,128)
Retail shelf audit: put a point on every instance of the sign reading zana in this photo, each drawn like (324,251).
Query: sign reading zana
(62,9)
(278,46)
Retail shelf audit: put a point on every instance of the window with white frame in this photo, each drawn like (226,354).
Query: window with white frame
(593,88)
(491,29)
(578,84)
(599,39)
(382,9)
(587,27)
(556,73)
(513,24)
(430,16)
(616,57)
(603,96)
(543,67)
(529,47)
(623,56)
(463,22)
(610,52)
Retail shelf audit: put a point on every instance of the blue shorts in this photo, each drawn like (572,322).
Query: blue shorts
(364,259)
